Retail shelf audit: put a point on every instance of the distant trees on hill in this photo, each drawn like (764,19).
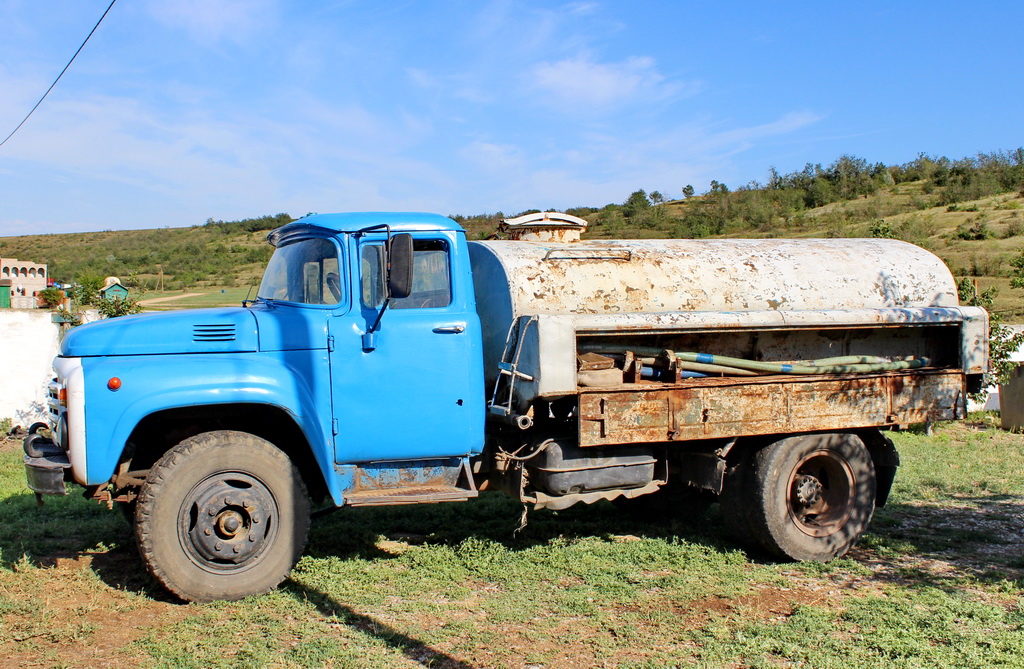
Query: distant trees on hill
(781,201)
(249,224)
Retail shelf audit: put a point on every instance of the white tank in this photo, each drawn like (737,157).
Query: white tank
(663,275)
(611,287)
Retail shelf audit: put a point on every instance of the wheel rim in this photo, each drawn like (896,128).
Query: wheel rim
(821,491)
(227,521)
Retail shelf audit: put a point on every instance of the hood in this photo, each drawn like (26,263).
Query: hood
(225,330)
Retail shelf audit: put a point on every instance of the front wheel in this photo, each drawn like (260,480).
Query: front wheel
(222,515)
(812,496)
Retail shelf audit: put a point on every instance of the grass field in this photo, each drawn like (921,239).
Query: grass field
(937,582)
(196,298)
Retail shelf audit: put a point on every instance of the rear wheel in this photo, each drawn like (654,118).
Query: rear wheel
(812,496)
(222,515)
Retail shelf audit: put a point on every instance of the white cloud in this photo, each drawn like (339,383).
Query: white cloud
(493,158)
(214,20)
(581,84)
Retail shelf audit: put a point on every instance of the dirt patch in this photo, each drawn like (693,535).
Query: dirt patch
(62,613)
(160,300)
(765,603)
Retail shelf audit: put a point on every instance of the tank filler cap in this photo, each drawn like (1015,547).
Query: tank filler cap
(544,226)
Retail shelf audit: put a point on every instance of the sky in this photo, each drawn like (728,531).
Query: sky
(179,111)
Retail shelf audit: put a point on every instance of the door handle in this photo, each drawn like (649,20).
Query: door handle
(450,329)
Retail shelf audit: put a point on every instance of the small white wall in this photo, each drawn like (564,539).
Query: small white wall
(28,344)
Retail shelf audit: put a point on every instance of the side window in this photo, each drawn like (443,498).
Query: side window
(431,277)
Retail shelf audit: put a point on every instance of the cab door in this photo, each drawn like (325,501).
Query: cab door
(419,392)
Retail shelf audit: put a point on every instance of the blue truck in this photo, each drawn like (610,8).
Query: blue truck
(387,360)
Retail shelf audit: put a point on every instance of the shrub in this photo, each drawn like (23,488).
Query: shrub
(51,297)
(977,231)
(882,229)
(119,306)
(1014,228)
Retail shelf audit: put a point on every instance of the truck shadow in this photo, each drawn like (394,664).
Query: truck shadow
(494,517)
(936,545)
(920,544)
(942,544)
(412,648)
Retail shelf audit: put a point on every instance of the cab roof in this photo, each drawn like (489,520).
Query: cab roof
(356,221)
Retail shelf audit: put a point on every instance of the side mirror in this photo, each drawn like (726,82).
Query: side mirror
(400,266)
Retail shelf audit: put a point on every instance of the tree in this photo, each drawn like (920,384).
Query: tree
(688,191)
(1002,342)
(657,197)
(86,290)
(636,204)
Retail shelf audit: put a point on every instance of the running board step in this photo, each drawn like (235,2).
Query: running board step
(409,495)
(411,482)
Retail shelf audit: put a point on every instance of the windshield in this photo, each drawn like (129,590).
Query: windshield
(304,271)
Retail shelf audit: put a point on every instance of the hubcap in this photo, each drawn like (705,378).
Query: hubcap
(227,521)
(821,493)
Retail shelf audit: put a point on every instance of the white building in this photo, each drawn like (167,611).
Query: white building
(27,279)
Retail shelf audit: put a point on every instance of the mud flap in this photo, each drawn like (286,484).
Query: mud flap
(886,460)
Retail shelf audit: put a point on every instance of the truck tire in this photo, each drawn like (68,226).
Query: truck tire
(813,495)
(222,515)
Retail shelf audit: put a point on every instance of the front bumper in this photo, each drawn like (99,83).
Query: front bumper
(47,466)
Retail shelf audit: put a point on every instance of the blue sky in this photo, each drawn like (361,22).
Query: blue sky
(182,110)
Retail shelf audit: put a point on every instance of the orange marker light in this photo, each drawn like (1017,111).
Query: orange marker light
(114,383)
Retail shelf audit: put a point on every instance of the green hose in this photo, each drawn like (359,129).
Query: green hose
(727,365)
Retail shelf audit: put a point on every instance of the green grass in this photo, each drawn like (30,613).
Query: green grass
(937,582)
(198,298)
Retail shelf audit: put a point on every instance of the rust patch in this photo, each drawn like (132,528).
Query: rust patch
(746,406)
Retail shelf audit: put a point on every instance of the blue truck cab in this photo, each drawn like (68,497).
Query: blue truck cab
(369,396)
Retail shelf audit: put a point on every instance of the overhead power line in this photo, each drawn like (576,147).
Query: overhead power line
(61,73)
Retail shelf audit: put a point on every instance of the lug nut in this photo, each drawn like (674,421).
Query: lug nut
(207,531)
(217,546)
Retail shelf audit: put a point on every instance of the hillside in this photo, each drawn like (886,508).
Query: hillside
(969,212)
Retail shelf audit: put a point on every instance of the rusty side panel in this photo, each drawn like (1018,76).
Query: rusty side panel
(714,408)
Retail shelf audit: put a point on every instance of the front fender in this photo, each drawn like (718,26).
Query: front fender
(297,382)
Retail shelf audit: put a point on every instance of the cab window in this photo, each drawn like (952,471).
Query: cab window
(431,278)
